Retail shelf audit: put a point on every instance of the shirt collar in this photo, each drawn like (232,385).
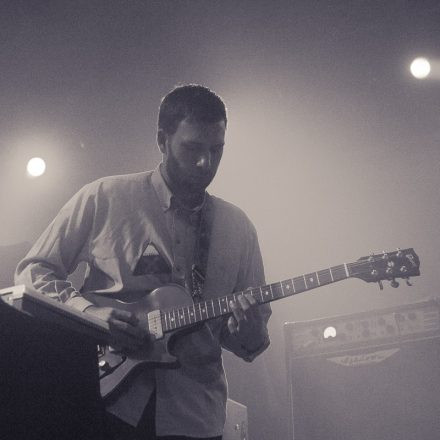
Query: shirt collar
(163,192)
(166,197)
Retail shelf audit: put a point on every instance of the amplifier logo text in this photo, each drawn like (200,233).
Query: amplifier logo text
(357,360)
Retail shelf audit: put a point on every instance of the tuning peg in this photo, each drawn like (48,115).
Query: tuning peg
(384,255)
(394,283)
(408,282)
(399,252)
(380,285)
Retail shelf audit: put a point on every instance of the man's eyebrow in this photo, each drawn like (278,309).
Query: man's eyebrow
(220,144)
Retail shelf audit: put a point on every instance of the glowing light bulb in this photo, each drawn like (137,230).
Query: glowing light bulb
(36,167)
(420,68)
(329,332)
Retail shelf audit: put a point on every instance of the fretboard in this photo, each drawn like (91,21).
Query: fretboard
(177,318)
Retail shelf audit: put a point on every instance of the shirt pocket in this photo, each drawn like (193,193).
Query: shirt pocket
(152,263)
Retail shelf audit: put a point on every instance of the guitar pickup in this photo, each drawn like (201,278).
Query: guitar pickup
(155,324)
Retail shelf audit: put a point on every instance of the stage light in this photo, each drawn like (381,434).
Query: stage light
(36,167)
(420,68)
(329,332)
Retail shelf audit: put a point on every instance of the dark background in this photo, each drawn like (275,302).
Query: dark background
(332,146)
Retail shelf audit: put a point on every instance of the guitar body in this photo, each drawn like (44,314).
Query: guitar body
(117,366)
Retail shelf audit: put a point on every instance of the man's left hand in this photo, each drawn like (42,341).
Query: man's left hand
(246,322)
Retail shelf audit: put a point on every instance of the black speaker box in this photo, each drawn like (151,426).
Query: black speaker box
(366,376)
(49,385)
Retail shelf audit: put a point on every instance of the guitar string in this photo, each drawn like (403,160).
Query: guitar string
(339,268)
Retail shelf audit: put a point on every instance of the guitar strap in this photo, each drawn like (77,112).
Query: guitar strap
(201,250)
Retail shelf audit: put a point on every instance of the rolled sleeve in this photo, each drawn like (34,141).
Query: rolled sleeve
(251,274)
(58,251)
(232,344)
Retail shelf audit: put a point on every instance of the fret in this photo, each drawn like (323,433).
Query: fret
(325,277)
(288,287)
(166,320)
(224,306)
(257,292)
(197,314)
(192,315)
(339,273)
(299,284)
(282,289)
(305,281)
(213,310)
(230,298)
(331,274)
(203,309)
(172,320)
(266,293)
(277,289)
(186,314)
(311,280)
(197,308)
(163,322)
(176,317)
(181,317)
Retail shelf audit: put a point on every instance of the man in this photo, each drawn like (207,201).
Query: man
(141,231)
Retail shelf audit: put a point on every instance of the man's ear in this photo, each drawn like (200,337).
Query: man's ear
(161,140)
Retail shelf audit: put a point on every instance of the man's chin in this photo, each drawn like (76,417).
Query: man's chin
(199,184)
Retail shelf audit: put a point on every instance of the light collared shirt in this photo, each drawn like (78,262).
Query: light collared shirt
(134,238)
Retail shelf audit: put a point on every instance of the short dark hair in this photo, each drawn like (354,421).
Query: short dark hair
(190,101)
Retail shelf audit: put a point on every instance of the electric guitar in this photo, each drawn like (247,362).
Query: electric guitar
(169,310)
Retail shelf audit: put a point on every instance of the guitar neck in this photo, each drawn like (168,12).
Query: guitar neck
(177,318)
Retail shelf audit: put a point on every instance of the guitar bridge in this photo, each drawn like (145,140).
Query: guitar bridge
(155,324)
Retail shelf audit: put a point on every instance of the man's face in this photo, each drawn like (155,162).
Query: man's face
(192,154)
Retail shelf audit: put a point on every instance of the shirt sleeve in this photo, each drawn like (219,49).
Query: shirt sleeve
(58,251)
(251,274)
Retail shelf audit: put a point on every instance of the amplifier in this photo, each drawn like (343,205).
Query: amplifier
(369,376)
(236,426)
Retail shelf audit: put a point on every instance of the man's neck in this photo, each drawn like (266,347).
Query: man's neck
(185,198)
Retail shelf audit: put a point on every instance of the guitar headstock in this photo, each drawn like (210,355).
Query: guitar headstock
(402,263)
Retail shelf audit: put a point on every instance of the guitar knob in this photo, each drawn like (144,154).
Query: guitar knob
(103,365)
(394,283)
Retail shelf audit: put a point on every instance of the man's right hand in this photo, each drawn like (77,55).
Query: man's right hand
(124,327)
